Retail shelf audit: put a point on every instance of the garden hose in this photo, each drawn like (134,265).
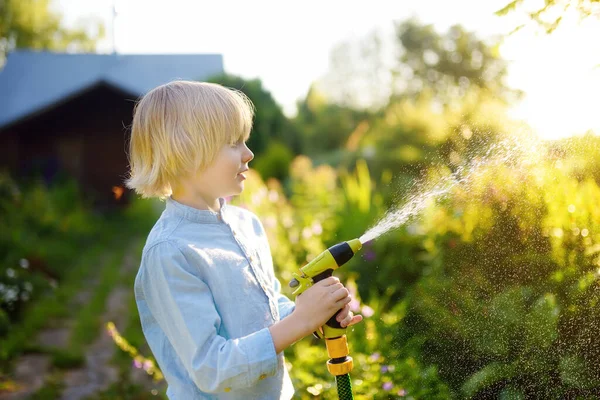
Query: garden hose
(344,387)
(340,363)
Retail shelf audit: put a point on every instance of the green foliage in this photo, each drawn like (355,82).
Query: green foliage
(275,162)
(408,137)
(67,359)
(34,25)
(324,126)
(448,64)
(445,65)
(508,302)
(549,16)
(42,229)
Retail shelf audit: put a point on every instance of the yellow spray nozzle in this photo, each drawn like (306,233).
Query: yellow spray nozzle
(355,245)
(323,265)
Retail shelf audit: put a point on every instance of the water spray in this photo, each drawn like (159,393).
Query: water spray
(508,152)
(321,267)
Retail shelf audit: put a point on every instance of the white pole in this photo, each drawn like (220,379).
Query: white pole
(114,30)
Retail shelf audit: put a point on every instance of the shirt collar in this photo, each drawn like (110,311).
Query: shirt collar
(194,214)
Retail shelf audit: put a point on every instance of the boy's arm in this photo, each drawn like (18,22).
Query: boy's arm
(285,305)
(183,307)
(286,332)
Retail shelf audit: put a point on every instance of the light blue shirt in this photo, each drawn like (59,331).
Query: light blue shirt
(206,293)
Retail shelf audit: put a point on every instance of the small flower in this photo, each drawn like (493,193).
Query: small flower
(401,392)
(273,196)
(388,386)
(137,363)
(384,369)
(24,263)
(307,233)
(375,356)
(148,365)
(369,255)
(317,228)
(367,311)
(354,305)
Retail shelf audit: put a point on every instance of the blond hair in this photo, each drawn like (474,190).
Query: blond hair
(178,129)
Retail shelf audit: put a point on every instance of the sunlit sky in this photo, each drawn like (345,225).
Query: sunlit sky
(287,45)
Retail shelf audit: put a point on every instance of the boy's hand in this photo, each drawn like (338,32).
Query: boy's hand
(320,302)
(347,318)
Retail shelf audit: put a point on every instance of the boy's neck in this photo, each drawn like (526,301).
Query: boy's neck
(197,201)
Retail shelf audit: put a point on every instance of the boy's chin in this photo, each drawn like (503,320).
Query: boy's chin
(237,191)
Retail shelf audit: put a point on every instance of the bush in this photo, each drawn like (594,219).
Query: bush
(509,302)
(42,229)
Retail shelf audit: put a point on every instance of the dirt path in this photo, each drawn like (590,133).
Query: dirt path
(32,371)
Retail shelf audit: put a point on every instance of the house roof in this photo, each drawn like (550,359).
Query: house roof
(33,81)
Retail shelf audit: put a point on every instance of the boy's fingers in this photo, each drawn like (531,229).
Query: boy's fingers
(332,280)
(356,319)
(343,313)
(342,294)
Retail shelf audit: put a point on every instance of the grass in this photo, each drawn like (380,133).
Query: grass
(52,389)
(52,306)
(88,322)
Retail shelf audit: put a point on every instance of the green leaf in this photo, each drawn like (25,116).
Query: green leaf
(541,327)
(508,8)
(574,371)
(487,376)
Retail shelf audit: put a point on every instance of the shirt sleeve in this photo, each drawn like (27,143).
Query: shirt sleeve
(183,307)
(285,305)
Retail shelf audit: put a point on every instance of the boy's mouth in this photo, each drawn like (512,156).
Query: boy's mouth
(241,173)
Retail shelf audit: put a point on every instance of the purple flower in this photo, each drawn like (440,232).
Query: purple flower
(384,369)
(375,356)
(388,386)
(137,363)
(401,392)
(369,255)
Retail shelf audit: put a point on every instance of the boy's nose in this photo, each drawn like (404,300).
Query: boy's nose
(248,155)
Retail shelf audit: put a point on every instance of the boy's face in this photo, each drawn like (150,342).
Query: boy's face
(225,176)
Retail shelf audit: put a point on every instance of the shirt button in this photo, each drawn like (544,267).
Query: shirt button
(263,376)
(252,258)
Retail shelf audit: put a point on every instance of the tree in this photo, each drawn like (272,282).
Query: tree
(551,14)
(447,64)
(360,74)
(325,125)
(374,70)
(32,24)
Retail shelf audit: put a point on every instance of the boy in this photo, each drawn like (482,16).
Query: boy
(209,303)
